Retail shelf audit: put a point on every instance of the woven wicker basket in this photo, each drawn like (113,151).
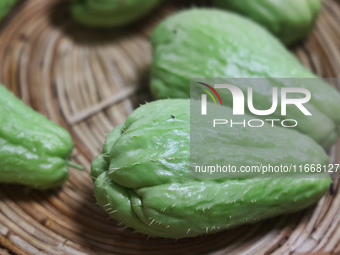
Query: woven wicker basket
(89,81)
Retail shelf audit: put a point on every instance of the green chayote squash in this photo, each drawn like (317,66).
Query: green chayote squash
(208,43)
(289,20)
(142,177)
(34,151)
(110,13)
(5,7)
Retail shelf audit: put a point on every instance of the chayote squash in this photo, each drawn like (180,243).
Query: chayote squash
(209,43)
(289,20)
(110,13)
(142,177)
(34,151)
(5,7)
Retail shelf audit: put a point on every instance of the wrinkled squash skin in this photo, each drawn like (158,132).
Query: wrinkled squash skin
(142,178)
(34,151)
(209,43)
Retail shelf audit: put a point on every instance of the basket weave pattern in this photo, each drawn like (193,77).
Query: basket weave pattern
(88,82)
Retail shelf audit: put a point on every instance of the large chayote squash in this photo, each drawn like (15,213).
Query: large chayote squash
(289,20)
(208,43)
(110,13)
(5,7)
(142,177)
